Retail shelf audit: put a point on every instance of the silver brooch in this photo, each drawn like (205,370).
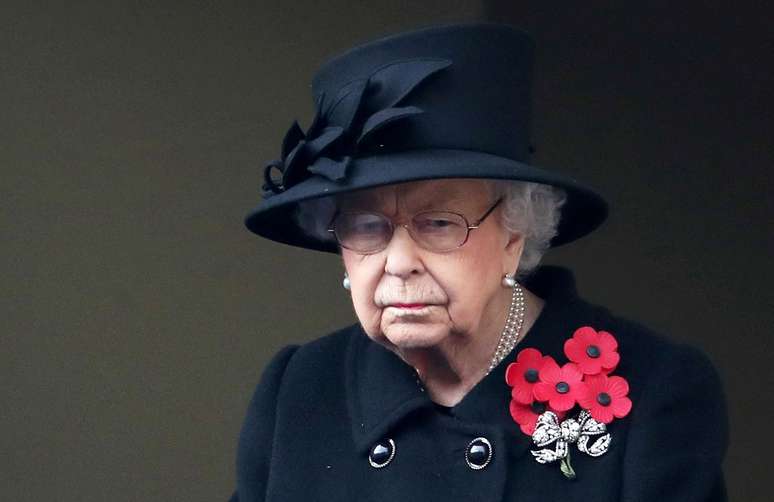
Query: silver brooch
(554,439)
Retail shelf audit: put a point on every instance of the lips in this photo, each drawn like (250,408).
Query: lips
(408,305)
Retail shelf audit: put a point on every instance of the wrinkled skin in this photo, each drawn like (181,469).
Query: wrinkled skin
(451,339)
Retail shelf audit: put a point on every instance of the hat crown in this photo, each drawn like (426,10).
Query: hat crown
(479,102)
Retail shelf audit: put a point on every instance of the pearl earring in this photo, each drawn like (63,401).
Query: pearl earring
(347,285)
(509,281)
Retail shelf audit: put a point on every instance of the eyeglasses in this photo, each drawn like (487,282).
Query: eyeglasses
(437,231)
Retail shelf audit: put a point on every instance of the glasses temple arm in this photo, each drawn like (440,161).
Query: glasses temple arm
(486,214)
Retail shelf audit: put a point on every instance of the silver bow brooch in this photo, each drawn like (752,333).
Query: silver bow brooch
(554,439)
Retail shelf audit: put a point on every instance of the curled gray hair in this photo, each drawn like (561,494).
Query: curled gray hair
(530,209)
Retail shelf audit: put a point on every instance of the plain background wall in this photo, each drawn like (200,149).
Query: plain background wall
(137,312)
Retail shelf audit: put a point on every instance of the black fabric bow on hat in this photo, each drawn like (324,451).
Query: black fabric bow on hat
(343,125)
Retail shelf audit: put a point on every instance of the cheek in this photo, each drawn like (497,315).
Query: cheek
(364,275)
(470,282)
(362,301)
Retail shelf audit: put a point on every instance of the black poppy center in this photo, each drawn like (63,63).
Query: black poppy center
(593,351)
(562,387)
(604,399)
(538,408)
(531,375)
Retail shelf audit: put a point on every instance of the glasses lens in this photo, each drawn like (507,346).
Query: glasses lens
(362,232)
(439,231)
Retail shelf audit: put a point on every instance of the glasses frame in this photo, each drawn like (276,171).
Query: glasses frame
(407,226)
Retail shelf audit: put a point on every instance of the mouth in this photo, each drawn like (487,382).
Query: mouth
(408,305)
(410,310)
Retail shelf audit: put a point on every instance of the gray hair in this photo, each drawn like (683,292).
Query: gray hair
(530,209)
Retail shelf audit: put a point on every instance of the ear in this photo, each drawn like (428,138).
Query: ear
(514,247)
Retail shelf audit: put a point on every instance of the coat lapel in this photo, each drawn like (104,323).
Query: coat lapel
(381,390)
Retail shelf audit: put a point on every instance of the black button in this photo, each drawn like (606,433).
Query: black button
(531,375)
(562,387)
(479,453)
(382,453)
(593,351)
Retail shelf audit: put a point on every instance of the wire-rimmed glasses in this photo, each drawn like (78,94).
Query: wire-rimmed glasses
(370,232)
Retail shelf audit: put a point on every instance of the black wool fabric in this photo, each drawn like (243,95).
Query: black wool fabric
(321,407)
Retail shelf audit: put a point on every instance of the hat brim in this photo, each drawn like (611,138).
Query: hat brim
(274,219)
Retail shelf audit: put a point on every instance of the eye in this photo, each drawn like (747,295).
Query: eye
(438,222)
(368,227)
(362,232)
(361,224)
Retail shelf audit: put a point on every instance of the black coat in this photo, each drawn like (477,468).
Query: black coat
(321,407)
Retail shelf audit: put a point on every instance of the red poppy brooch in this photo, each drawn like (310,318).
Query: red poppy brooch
(544,396)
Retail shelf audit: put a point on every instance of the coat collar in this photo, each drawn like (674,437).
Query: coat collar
(383,390)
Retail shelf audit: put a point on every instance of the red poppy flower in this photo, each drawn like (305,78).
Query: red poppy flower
(605,397)
(526,415)
(558,386)
(593,351)
(524,374)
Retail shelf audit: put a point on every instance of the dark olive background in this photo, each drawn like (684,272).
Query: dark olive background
(137,312)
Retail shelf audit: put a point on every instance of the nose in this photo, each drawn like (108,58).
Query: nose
(403,255)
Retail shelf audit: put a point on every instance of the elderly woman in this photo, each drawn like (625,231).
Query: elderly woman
(473,373)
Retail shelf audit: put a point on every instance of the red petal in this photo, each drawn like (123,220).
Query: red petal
(590,366)
(511,377)
(574,350)
(585,334)
(610,360)
(550,371)
(585,396)
(522,414)
(543,391)
(618,386)
(602,414)
(621,407)
(600,381)
(530,357)
(570,372)
(607,341)
(562,402)
(522,394)
(589,337)
(515,410)
(529,427)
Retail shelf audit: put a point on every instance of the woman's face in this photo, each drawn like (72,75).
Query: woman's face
(407,297)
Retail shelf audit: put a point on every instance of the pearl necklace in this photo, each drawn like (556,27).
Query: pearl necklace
(512,330)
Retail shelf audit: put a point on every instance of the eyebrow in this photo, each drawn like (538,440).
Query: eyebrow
(443,203)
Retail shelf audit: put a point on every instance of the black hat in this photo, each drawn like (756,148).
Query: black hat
(444,102)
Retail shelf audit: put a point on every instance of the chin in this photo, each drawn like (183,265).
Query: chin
(415,335)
